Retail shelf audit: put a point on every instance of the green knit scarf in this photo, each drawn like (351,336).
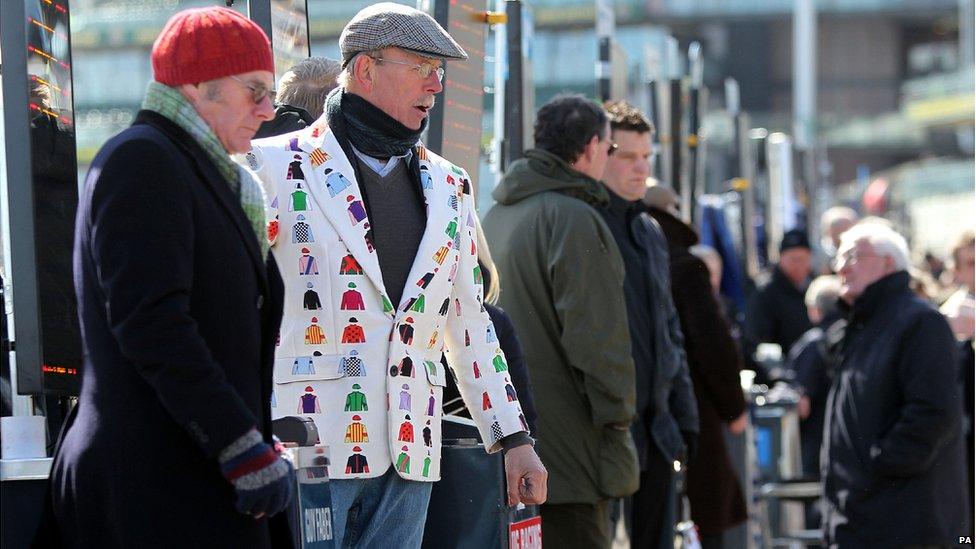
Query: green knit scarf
(170,103)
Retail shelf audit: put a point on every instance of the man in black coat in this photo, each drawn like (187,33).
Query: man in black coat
(170,444)
(892,459)
(666,427)
(775,312)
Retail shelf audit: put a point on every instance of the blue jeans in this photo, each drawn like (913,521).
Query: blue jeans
(385,511)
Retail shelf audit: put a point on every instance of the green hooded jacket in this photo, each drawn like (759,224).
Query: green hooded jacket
(562,282)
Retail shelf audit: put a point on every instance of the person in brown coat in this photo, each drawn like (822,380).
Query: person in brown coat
(717,503)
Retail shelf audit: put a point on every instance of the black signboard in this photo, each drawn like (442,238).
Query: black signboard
(42,193)
(455,122)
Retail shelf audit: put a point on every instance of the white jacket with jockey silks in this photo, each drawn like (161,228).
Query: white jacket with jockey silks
(367,372)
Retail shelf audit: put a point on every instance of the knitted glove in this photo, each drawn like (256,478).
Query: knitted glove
(264,480)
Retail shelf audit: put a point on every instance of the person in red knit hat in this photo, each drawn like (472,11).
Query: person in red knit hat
(170,444)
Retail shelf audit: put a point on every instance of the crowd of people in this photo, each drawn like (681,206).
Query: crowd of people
(332,267)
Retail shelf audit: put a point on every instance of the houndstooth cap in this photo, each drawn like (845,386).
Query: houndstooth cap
(387,25)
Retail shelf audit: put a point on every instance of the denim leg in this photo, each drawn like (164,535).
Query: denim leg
(346,499)
(392,513)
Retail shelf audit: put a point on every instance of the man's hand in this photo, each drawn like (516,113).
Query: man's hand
(803,408)
(526,477)
(739,425)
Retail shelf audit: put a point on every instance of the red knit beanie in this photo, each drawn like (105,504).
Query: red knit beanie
(204,44)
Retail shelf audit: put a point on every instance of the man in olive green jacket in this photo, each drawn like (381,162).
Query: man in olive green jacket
(562,283)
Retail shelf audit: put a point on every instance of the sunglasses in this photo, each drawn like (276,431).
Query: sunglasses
(258,91)
(423,69)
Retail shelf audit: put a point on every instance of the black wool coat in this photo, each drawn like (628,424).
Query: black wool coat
(713,488)
(892,457)
(179,315)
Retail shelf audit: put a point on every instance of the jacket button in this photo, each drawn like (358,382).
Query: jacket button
(260,301)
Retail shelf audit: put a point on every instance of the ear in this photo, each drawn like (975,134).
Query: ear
(193,92)
(364,72)
(589,153)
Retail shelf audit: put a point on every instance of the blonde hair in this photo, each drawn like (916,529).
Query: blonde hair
(484,257)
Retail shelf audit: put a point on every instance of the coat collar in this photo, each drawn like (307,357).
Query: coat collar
(334,188)
(214,181)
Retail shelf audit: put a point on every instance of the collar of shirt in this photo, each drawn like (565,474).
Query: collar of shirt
(380,167)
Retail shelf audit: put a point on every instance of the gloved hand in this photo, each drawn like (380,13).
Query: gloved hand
(691,446)
(264,481)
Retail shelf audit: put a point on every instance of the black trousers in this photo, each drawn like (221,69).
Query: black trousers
(645,512)
(572,525)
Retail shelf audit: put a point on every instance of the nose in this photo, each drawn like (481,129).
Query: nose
(433,84)
(265,109)
(643,167)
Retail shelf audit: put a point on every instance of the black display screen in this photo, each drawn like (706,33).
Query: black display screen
(55,190)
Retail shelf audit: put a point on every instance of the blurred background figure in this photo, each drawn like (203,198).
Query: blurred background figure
(893,452)
(713,261)
(810,361)
(776,312)
(959,311)
(713,489)
(833,223)
(301,95)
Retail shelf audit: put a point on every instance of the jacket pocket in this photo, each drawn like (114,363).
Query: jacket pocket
(436,374)
(314,367)
(619,470)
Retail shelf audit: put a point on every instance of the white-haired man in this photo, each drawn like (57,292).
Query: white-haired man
(892,459)
(376,238)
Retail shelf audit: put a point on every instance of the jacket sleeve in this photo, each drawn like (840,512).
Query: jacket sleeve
(586,273)
(712,352)
(141,232)
(927,375)
(474,320)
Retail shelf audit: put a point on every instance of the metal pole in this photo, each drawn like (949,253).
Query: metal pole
(690,189)
(259,11)
(604,30)
(804,73)
(513,86)
(653,61)
(501,70)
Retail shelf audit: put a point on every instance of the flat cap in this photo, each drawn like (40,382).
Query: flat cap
(388,25)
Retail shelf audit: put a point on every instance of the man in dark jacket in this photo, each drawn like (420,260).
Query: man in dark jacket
(563,287)
(170,442)
(776,313)
(713,488)
(666,427)
(892,458)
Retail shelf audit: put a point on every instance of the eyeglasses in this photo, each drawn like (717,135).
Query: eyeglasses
(258,91)
(850,258)
(612,149)
(424,69)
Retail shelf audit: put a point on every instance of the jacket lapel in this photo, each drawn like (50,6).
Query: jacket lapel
(442,203)
(333,188)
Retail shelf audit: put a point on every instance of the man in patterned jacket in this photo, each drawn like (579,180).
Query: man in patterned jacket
(406,241)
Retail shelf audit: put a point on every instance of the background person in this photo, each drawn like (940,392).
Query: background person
(717,503)
(301,95)
(666,427)
(564,290)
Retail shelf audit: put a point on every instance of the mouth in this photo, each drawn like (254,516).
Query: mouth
(425,107)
